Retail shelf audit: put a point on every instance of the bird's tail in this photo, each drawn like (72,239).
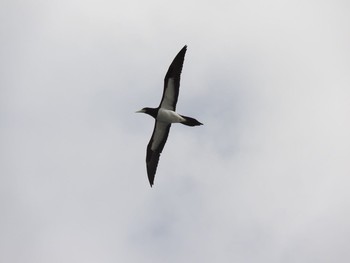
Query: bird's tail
(190,121)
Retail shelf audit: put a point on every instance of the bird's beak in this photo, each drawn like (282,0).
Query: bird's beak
(139,111)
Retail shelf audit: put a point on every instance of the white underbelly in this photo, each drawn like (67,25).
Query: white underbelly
(169,116)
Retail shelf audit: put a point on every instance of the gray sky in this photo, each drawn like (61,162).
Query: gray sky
(265,179)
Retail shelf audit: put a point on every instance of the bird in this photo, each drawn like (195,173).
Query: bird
(165,114)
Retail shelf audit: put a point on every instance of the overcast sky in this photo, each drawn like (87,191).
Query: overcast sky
(266,179)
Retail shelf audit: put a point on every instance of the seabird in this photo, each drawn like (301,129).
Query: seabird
(165,115)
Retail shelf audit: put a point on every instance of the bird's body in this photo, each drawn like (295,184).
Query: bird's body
(169,116)
(165,114)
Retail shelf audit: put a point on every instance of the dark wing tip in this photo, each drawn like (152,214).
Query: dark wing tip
(152,163)
(183,50)
(175,68)
(151,178)
(151,172)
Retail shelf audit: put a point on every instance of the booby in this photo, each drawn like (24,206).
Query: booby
(166,114)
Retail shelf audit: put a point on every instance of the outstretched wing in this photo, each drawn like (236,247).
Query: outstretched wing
(155,148)
(172,82)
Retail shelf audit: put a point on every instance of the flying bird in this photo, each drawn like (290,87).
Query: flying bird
(165,115)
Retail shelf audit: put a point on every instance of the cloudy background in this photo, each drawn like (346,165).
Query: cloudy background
(266,179)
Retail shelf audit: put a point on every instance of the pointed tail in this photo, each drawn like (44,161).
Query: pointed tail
(190,121)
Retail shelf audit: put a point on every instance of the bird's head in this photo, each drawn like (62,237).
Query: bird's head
(149,111)
(143,110)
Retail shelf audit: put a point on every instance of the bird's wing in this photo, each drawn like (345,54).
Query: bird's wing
(155,148)
(172,82)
